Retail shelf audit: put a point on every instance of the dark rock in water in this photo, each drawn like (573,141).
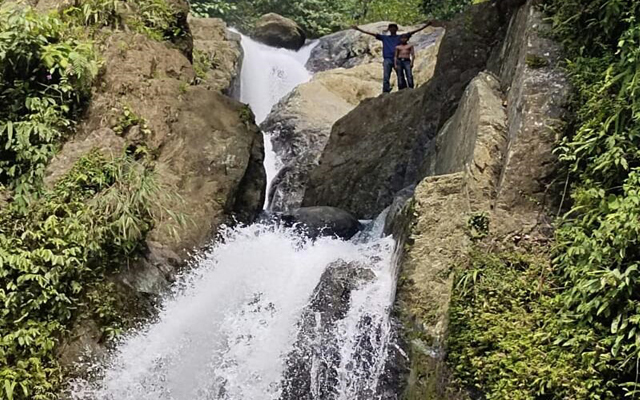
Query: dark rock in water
(311,367)
(323,221)
(277,31)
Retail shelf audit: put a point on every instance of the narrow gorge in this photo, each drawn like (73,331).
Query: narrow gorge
(237,213)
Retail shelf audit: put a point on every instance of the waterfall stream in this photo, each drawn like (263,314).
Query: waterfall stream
(268,74)
(251,319)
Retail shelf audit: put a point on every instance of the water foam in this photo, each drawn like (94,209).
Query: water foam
(226,330)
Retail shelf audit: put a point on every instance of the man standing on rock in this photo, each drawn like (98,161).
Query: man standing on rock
(389,44)
(404,58)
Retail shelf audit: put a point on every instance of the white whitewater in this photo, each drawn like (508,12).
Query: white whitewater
(227,328)
(268,74)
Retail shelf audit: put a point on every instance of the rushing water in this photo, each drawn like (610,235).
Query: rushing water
(233,325)
(268,74)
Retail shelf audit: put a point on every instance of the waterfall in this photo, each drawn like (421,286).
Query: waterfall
(265,313)
(268,74)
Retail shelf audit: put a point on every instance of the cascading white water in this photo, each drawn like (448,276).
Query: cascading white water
(268,74)
(230,326)
(226,330)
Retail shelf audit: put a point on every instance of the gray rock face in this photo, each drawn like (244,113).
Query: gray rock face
(377,149)
(536,99)
(323,221)
(349,48)
(277,31)
(316,342)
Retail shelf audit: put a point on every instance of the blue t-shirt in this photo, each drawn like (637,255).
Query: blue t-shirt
(389,44)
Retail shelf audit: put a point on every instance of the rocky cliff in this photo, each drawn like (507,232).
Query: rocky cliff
(378,148)
(488,172)
(471,146)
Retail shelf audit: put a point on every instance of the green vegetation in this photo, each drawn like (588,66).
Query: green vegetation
(54,252)
(598,254)
(45,76)
(321,17)
(59,245)
(154,18)
(504,328)
(523,328)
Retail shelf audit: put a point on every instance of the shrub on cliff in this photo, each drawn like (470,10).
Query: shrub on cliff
(45,75)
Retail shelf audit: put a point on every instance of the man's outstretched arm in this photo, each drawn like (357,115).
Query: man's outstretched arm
(420,29)
(357,28)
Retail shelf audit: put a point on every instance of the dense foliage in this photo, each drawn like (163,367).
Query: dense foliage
(321,17)
(598,255)
(45,74)
(52,253)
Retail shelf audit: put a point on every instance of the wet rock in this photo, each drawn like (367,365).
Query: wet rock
(323,221)
(300,125)
(277,31)
(311,368)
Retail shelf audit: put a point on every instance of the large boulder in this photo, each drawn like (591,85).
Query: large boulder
(300,124)
(377,149)
(205,147)
(323,221)
(277,31)
(217,54)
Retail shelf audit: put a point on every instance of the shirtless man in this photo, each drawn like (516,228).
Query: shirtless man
(404,58)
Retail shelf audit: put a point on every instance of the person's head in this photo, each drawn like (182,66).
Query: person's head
(393,28)
(404,39)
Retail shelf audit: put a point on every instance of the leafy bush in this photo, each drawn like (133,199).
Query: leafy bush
(444,9)
(503,327)
(54,252)
(158,19)
(598,252)
(45,76)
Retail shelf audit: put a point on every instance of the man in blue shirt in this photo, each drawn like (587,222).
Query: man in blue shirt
(389,44)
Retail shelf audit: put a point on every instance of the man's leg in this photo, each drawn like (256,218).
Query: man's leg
(386,79)
(409,73)
(402,82)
